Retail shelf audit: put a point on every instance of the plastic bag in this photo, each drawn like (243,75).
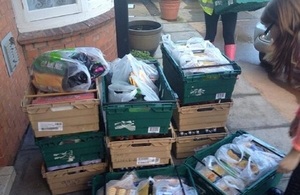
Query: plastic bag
(232,158)
(121,92)
(254,169)
(56,74)
(125,185)
(210,168)
(67,70)
(230,185)
(151,71)
(164,185)
(121,70)
(91,57)
(167,42)
(142,81)
(137,73)
(248,144)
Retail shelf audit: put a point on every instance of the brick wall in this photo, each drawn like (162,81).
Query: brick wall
(13,122)
(99,32)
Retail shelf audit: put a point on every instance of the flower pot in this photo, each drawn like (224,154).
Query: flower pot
(169,9)
(144,35)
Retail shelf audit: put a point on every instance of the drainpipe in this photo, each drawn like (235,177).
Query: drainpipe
(121,17)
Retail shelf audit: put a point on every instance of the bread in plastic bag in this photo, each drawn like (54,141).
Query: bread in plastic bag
(230,185)
(210,168)
(231,157)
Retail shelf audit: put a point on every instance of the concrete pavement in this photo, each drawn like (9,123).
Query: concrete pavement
(255,110)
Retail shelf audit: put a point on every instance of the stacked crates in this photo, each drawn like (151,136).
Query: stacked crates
(204,101)
(66,127)
(138,133)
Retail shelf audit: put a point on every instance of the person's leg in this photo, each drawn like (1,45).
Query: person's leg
(293,187)
(211,22)
(229,24)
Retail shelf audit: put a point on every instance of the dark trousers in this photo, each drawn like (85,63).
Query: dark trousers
(293,187)
(228,22)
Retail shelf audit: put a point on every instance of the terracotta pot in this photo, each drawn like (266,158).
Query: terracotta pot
(169,9)
(144,35)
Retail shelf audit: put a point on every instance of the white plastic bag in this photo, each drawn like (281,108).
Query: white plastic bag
(121,70)
(143,82)
(230,185)
(231,157)
(121,92)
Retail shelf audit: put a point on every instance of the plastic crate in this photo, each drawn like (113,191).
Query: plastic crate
(73,179)
(139,152)
(62,117)
(140,117)
(185,146)
(180,171)
(199,87)
(225,6)
(73,148)
(260,186)
(201,116)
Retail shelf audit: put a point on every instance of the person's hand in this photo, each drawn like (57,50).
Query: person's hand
(289,162)
(294,126)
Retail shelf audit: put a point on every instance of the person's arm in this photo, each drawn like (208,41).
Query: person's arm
(292,159)
(294,124)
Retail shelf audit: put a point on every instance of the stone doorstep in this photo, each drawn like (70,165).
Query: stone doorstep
(7,177)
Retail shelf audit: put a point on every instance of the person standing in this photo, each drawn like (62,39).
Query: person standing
(283,20)
(229,21)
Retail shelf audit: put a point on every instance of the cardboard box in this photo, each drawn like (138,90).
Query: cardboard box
(73,179)
(140,152)
(61,117)
(201,116)
(185,146)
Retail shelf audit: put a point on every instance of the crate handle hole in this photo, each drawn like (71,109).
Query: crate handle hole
(140,145)
(204,109)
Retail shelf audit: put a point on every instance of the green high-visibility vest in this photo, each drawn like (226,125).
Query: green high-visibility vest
(207,6)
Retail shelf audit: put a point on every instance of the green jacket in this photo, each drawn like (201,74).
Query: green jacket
(207,6)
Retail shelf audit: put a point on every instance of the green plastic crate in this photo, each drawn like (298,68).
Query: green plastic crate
(179,171)
(199,87)
(260,186)
(225,6)
(139,117)
(73,148)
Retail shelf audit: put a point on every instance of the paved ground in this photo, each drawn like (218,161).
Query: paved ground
(262,106)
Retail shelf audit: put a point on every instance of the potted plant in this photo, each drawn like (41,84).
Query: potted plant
(169,9)
(144,35)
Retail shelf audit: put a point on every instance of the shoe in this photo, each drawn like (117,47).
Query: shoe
(274,191)
(230,51)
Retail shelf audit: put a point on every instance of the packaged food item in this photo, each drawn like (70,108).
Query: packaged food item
(230,185)
(210,168)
